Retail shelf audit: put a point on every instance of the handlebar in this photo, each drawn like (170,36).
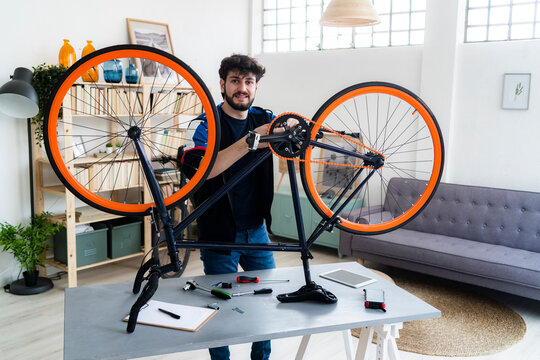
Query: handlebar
(147,293)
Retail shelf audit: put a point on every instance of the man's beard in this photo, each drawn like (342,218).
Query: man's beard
(238,107)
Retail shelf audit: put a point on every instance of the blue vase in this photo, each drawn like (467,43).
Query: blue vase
(132,74)
(112,71)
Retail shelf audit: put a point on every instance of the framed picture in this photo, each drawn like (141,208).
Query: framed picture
(516,91)
(156,35)
(78,147)
(332,178)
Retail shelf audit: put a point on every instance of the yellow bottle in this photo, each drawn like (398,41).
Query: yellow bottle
(66,56)
(91,75)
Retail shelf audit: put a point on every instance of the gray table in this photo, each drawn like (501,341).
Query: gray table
(93,328)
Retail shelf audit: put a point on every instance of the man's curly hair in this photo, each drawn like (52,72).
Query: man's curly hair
(242,63)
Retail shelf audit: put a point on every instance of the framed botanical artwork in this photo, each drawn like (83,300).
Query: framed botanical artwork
(78,147)
(153,34)
(516,91)
(331,176)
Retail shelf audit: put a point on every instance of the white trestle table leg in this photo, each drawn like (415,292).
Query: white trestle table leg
(347,342)
(364,339)
(386,341)
(302,348)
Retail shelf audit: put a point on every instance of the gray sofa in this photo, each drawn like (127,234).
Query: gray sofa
(482,236)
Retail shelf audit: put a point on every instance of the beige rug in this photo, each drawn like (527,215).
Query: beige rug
(470,324)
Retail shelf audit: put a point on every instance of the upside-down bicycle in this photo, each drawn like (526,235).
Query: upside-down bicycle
(357,141)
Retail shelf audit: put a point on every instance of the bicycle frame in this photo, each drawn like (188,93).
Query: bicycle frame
(171,233)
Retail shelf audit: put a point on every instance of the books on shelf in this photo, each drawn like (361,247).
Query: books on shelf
(179,102)
(167,174)
(89,99)
(168,141)
(114,175)
(102,99)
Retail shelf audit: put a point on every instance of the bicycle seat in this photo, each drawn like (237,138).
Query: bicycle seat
(311,292)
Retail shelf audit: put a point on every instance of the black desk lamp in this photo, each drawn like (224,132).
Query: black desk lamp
(18,99)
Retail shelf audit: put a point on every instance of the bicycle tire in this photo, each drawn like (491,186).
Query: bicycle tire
(387,119)
(110,110)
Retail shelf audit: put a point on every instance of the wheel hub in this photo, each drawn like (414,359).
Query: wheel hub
(134,132)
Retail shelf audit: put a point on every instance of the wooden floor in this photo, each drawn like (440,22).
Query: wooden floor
(32,327)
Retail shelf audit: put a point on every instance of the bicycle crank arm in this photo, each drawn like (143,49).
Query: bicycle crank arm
(253,139)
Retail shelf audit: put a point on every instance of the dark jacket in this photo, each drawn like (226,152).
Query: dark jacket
(217,223)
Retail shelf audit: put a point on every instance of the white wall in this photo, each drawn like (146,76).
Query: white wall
(492,146)
(202,32)
(302,81)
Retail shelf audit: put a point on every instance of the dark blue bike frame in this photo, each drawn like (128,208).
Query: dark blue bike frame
(172,232)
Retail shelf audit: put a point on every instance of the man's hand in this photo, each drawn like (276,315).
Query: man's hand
(262,130)
(291,123)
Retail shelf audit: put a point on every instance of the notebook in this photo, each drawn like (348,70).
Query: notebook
(192,318)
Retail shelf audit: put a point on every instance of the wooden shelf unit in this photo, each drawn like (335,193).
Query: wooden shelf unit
(84,215)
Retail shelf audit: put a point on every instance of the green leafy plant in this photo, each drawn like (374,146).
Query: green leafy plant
(118,144)
(44,81)
(29,243)
(108,145)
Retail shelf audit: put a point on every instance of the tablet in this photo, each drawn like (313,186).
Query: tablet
(348,278)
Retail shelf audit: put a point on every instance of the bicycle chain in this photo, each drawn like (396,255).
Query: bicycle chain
(294,115)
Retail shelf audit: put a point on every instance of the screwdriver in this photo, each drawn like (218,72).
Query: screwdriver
(255,279)
(255,292)
(192,285)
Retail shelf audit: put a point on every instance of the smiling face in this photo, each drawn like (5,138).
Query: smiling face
(239,89)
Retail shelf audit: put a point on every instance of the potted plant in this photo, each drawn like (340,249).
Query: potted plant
(108,148)
(118,145)
(44,81)
(28,244)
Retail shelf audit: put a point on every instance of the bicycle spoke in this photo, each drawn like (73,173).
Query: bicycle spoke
(98,115)
(394,130)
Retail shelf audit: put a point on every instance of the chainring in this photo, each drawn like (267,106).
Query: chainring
(297,140)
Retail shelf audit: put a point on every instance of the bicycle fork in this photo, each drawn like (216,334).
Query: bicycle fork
(151,265)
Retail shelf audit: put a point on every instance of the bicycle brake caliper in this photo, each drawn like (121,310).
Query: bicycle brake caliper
(329,225)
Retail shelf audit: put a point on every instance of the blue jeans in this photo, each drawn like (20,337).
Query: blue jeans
(216,263)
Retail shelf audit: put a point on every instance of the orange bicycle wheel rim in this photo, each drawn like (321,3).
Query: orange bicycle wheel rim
(55,154)
(435,171)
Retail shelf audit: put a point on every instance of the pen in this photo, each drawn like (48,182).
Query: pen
(169,313)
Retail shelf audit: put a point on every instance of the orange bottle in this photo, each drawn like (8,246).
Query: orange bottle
(91,75)
(66,56)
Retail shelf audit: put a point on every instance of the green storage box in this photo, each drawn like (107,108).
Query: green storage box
(91,246)
(124,238)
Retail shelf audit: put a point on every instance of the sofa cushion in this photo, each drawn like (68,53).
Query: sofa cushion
(493,216)
(469,257)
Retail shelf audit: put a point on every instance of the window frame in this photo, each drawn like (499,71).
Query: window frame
(274,37)
(511,4)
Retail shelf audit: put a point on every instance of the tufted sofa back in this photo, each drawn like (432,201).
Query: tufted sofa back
(495,216)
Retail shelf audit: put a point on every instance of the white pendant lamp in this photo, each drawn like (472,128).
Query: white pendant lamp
(349,13)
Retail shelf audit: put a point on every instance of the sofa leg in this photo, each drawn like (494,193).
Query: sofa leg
(360,261)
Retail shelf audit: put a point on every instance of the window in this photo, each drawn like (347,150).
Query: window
(500,20)
(293,25)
